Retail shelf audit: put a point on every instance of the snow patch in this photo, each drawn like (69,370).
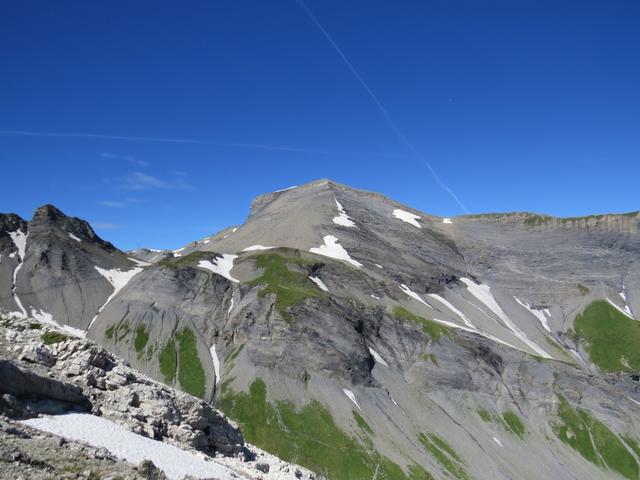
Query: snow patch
(625,311)
(46,318)
(407,217)
(342,219)
(351,397)
(285,189)
(256,247)
(375,296)
(230,306)
(483,293)
(73,237)
(178,250)
(377,357)
(446,220)
(320,283)
(102,433)
(539,314)
(413,294)
(333,249)
(464,318)
(118,279)
(20,241)
(498,441)
(139,263)
(222,266)
(216,362)
(377,265)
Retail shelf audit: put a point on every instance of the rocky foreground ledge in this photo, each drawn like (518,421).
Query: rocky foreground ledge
(53,381)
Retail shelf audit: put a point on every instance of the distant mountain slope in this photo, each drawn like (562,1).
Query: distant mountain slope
(336,320)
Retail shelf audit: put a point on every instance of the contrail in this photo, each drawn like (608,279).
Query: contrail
(392,124)
(96,136)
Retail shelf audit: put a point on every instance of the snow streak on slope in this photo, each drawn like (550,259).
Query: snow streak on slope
(20,241)
(407,217)
(539,314)
(464,318)
(483,293)
(102,433)
(351,397)
(47,318)
(222,266)
(216,362)
(342,219)
(256,247)
(377,357)
(413,294)
(73,237)
(320,283)
(118,279)
(624,311)
(333,249)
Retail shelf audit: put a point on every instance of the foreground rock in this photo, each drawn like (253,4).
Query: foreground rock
(45,372)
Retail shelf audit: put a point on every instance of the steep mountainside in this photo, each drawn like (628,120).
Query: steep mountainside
(361,338)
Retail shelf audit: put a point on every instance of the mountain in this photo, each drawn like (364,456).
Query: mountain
(362,338)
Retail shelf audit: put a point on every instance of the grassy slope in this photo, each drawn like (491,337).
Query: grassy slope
(309,437)
(289,286)
(611,338)
(168,362)
(190,370)
(433,329)
(594,441)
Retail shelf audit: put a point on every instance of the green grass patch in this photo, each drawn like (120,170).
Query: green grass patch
(429,357)
(190,260)
(611,338)
(51,337)
(582,289)
(307,436)
(362,423)
(235,353)
(594,441)
(168,362)
(633,443)
(513,423)
(35,326)
(486,415)
(534,219)
(142,337)
(434,330)
(289,286)
(416,472)
(445,455)
(190,370)
(108,333)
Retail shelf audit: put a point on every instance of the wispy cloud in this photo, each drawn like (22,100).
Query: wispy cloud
(126,158)
(105,225)
(281,148)
(144,181)
(113,203)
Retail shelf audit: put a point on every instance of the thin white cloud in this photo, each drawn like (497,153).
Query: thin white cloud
(144,181)
(105,225)
(113,203)
(127,158)
(282,148)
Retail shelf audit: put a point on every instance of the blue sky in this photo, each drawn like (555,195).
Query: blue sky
(526,105)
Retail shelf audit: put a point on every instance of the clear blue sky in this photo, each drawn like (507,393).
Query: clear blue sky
(517,105)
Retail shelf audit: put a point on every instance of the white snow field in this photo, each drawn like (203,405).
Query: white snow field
(446,220)
(377,357)
(407,217)
(539,314)
(256,247)
(483,293)
(47,318)
(118,280)
(464,318)
(223,266)
(320,283)
(216,362)
(20,241)
(351,397)
(342,219)
(102,433)
(413,294)
(333,249)
(73,237)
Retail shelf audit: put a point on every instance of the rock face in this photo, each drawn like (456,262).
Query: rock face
(339,320)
